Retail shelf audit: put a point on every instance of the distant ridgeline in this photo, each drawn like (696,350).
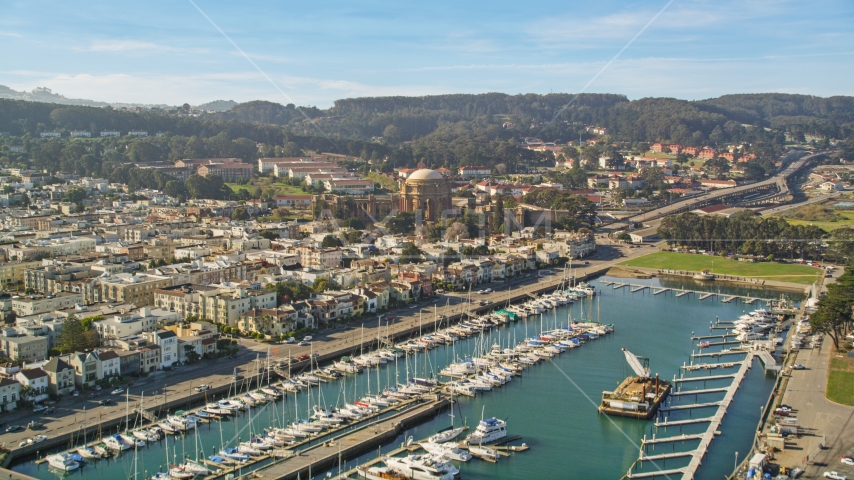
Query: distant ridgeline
(432,131)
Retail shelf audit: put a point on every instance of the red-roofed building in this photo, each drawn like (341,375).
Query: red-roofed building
(691,150)
(228,171)
(708,153)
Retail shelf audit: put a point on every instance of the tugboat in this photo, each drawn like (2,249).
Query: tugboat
(705,275)
(636,397)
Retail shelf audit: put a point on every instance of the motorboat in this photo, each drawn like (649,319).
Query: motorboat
(88,453)
(63,461)
(380,473)
(488,430)
(448,450)
(422,467)
(115,444)
(484,452)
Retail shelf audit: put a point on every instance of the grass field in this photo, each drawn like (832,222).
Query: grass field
(848,221)
(280,188)
(765,271)
(840,381)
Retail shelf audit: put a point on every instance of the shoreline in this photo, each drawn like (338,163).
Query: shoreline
(625,271)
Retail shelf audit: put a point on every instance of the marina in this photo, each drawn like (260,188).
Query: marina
(596,357)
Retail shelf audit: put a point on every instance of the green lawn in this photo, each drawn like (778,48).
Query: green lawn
(840,381)
(764,270)
(828,226)
(281,188)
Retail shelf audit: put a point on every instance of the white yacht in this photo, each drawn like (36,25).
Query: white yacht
(63,461)
(447,450)
(417,467)
(488,431)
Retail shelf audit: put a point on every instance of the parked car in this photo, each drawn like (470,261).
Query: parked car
(39,408)
(203,387)
(303,344)
(307,338)
(290,340)
(117,391)
(835,475)
(798,366)
(847,460)
(14,428)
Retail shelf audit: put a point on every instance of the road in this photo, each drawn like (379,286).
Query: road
(161,387)
(780,178)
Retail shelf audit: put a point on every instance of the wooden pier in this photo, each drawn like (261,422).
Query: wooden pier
(690,406)
(323,456)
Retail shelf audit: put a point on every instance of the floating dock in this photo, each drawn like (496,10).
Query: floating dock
(703,294)
(705,439)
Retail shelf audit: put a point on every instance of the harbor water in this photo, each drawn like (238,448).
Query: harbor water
(552,406)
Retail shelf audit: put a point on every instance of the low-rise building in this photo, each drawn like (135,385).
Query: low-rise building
(10,393)
(60,376)
(26,348)
(36,382)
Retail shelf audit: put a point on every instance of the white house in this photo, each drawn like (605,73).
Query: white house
(38,382)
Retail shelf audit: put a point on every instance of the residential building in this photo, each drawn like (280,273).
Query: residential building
(131,323)
(352,187)
(37,382)
(229,172)
(60,376)
(475,171)
(217,303)
(28,348)
(87,368)
(130,362)
(168,343)
(320,258)
(293,201)
(110,363)
(35,304)
(12,274)
(10,393)
(128,288)
(272,322)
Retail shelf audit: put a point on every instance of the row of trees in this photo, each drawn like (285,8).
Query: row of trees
(746,232)
(833,315)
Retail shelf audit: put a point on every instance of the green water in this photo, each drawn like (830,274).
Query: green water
(555,414)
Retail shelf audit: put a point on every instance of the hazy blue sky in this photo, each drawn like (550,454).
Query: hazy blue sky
(315,51)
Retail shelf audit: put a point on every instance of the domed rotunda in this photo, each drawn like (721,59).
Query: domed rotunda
(425,190)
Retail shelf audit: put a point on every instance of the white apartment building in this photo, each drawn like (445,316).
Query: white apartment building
(214,302)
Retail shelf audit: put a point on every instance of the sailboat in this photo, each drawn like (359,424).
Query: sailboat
(449,434)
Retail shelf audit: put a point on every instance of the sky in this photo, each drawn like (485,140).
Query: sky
(312,53)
